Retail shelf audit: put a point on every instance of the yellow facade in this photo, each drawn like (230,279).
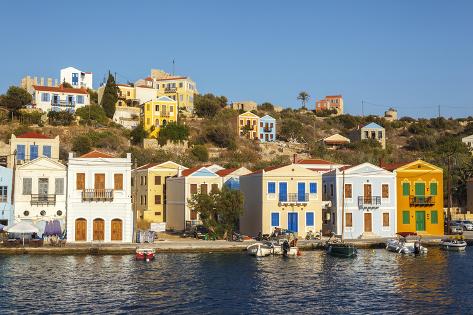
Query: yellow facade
(248,125)
(420,198)
(149,191)
(159,113)
(126,95)
(182,90)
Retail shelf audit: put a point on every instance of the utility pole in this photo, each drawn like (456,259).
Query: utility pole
(362,108)
(173,67)
(449,191)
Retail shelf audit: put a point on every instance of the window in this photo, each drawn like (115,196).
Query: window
(156,108)
(47,151)
(283,191)
(157,199)
(45,97)
(75,79)
(80,99)
(193,189)
(301,192)
(385,219)
(331,190)
(59,186)
(434,217)
(214,188)
(313,188)
(271,187)
(406,188)
(118,181)
(385,191)
(405,217)
(20,152)
(261,124)
(157,213)
(145,199)
(261,136)
(3,193)
(203,189)
(433,189)
(27,182)
(275,219)
(80,181)
(157,180)
(33,152)
(325,190)
(181,84)
(43,213)
(348,191)
(148,107)
(171,109)
(309,219)
(348,220)
(380,135)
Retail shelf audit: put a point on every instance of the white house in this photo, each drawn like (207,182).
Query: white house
(76,78)
(468,140)
(58,98)
(31,145)
(40,191)
(99,198)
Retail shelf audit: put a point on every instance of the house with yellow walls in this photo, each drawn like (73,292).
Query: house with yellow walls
(419,197)
(158,113)
(149,191)
(248,125)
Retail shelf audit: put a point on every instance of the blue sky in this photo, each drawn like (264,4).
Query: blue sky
(412,55)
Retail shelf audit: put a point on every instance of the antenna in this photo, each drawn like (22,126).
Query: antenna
(173,66)
(362,106)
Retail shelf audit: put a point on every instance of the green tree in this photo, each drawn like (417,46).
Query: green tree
(304,98)
(94,97)
(67,84)
(291,129)
(266,106)
(92,113)
(81,144)
(200,152)
(60,118)
(138,134)
(15,99)
(205,206)
(220,135)
(110,96)
(208,105)
(174,131)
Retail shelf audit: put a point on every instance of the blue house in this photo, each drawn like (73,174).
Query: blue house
(6,208)
(267,130)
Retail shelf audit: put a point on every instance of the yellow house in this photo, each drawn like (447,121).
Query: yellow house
(158,113)
(149,191)
(248,125)
(419,197)
(126,95)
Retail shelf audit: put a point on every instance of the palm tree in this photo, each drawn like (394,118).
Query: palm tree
(304,98)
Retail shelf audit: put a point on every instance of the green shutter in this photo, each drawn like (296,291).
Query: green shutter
(405,217)
(434,218)
(433,189)
(405,189)
(420,189)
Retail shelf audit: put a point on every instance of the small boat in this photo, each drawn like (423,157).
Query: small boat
(341,249)
(406,243)
(289,249)
(145,254)
(454,244)
(260,249)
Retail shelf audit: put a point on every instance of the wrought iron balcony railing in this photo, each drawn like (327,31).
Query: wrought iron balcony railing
(97,195)
(421,201)
(365,201)
(43,200)
(294,198)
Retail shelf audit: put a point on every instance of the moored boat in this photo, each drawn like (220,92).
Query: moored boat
(145,254)
(406,243)
(455,244)
(260,249)
(342,249)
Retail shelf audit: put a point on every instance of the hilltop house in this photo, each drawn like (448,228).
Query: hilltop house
(158,114)
(60,98)
(267,129)
(468,140)
(31,145)
(370,131)
(248,125)
(245,106)
(332,102)
(76,78)
(335,141)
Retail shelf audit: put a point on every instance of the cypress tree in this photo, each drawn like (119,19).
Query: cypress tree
(110,96)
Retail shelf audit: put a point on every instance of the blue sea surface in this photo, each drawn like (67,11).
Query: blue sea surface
(376,282)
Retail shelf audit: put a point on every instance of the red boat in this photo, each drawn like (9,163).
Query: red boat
(145,254)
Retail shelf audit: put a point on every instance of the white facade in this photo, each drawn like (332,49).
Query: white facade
(48,98)
(469,142)
(128,117)
(76,78)
(40,190)
(145,94)
(99,209)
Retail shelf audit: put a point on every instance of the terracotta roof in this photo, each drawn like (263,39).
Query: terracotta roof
(191,170)
(392,166)
(146,166)
(59,89)
(96,154)
(33,135)
(344,168)
(315,161)
(225,172)
(173,78)
(333,96)
(267,169)
(148,79)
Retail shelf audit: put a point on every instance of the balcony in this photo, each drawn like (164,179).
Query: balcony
(43,200)
(369,202)
(63,103)
(421,201)
(97,195)
(267,129)
(294,199)
(170,90)
(165,114)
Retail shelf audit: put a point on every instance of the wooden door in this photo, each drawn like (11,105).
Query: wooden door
(99,182)
(81,230)
(368,222)
(43,185)
(99,230)
(117,230)
(420,220)
(367,193)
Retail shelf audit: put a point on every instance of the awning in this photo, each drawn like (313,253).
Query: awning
(22,227)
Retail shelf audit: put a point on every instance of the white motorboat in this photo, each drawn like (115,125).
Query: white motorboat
(453,244)
(260,249)
(405,244)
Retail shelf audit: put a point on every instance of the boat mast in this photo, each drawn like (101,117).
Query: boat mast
(343,203)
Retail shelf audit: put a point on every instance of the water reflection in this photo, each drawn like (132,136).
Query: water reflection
(374,282)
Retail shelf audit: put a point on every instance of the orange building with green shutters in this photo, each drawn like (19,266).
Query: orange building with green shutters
(419,197)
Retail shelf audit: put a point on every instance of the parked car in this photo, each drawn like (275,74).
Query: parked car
(455,228)
(466,225)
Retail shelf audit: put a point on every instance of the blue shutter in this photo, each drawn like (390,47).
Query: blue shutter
(309,219)
(274,219)
(292,224)
(282,191)
(33,152)
(300,191)
(20,152)
(47,151)
(271,187)
(313,188)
